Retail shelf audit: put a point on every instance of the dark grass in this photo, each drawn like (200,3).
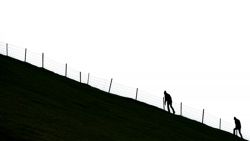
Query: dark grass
(39,105)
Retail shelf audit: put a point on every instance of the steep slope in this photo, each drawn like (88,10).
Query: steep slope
(38,105)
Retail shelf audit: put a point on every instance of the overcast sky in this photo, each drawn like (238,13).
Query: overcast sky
(196,50)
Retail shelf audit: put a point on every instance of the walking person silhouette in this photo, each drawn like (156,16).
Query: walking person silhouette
(168,99)
(237,127)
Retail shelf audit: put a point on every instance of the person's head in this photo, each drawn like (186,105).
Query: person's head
(165,93)
(234,118)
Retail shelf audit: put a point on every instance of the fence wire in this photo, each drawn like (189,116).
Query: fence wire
(35,58)
(84,77)
(40,60)
(151,99)
(54,66)
(123,90)
(2,48)
(16,52)
(73,74)
(99,83)
(192,113)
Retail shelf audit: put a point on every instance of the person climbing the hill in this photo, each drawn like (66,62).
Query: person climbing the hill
(168,99)
(237,127)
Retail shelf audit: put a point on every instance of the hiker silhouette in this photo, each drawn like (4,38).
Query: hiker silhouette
(237,127)
(168,99)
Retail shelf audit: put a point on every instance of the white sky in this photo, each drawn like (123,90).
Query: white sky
(196,50)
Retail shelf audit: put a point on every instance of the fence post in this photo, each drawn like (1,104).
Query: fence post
(110,85)
(136,93)
(66,67)
(181,109)
(80,77)
(203,116)
(42,60)
(88,78)
(7,49)
(25,54)
(220,124)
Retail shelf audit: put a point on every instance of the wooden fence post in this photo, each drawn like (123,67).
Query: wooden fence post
(7,49)
(181,109)
(110,85)
(136,93)
(25,55)
(88,78)
(42,60)
(203,112)
(80,77)
(66,69)
(220,124)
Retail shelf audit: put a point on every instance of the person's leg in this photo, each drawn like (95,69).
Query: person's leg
(234,131)
(168,107)
(172,108)
(240,133)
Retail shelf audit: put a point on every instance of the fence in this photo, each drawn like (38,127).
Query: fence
(111,86)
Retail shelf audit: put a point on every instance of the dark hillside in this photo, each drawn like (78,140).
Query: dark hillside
(38,105)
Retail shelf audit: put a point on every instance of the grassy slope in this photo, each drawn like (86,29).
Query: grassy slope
(38,105)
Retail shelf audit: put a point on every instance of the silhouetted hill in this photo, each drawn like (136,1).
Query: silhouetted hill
(39,105)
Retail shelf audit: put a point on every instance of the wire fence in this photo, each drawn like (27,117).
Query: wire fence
(40,60)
